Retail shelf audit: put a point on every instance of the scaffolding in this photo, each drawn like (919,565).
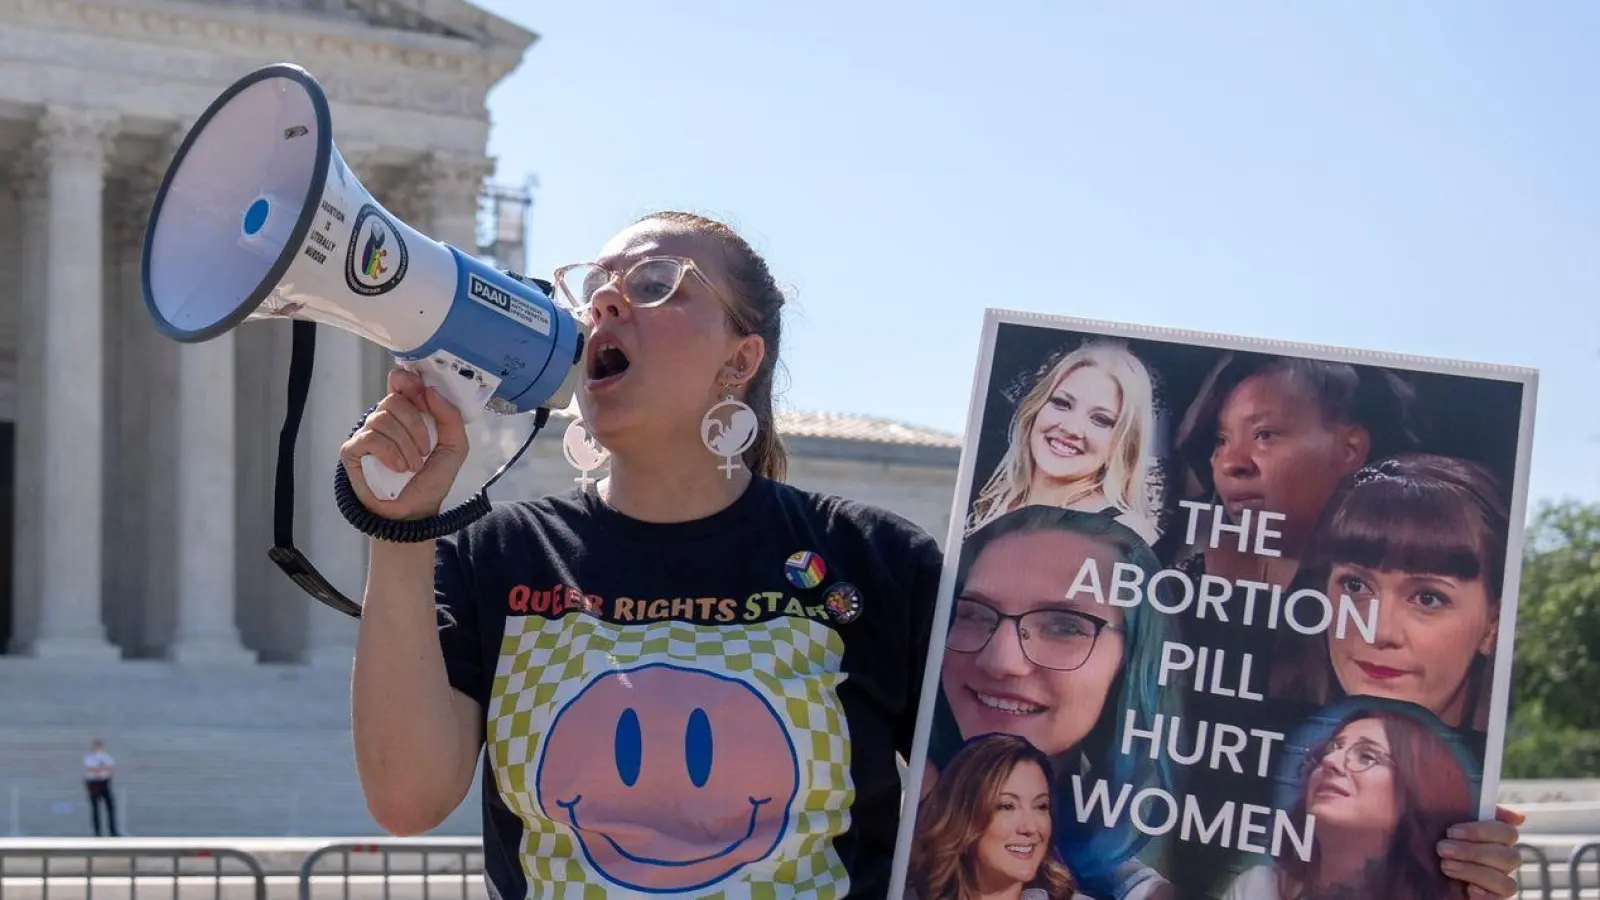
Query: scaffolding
(503,224)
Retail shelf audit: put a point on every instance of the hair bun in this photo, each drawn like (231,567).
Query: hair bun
(1388,468)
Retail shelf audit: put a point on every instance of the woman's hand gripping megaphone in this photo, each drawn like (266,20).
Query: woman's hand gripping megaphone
(405,457)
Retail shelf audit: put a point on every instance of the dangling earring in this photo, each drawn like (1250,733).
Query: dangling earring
(728,430)
(583,452)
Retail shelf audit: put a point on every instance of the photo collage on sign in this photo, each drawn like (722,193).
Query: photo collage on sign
(1222,619)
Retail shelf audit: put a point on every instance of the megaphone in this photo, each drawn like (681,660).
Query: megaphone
(258,217)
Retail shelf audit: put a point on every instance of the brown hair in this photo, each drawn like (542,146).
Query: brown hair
(959,809)
(1431,794)
(1420,512)
(1417,512)
(760,313)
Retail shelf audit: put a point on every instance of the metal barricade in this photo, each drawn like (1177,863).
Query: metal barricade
(375,860)
(132,868)
(1547,886)
(1574,877)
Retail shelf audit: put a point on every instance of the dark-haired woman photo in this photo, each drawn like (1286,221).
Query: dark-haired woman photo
(1424,537)
(1281,434)
(1384,790)
(985,831)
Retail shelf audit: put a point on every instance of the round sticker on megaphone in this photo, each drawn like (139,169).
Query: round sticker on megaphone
(376,261)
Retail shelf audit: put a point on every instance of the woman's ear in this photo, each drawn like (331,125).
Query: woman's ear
(745,361)
(1355,443)
(1491,637)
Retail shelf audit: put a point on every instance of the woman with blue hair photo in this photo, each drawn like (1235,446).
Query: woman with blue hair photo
(1024,658)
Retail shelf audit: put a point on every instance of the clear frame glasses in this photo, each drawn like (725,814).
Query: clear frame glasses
(1357,756)
(647,283)
(1058,639)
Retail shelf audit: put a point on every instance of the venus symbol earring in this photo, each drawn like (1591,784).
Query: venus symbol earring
(583,452)
(728,430)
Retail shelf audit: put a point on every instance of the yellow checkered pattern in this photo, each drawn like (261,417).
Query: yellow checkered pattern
(794,663)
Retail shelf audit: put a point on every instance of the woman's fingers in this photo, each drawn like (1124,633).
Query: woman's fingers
(409,417)
(389,425)
(1484,856)
(379,445)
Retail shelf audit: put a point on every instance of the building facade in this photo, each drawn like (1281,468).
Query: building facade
(141,477)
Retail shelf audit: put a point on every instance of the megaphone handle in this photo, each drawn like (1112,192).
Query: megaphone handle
(462,385)
(386,483)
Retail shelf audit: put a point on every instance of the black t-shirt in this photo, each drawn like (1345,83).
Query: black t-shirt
(690,709)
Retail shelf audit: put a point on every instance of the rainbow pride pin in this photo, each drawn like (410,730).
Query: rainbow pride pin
(805,569)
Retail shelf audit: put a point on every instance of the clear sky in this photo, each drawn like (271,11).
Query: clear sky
(1410,177)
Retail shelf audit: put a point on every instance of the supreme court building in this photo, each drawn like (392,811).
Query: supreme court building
(137,602)
(141,469)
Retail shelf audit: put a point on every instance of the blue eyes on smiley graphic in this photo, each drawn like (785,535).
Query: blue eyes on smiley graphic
(628,747)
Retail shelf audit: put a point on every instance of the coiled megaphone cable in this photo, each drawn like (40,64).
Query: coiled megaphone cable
(413,531)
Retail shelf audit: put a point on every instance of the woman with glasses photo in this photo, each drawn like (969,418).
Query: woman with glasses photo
(1024,658)
(1384,789)
(686,678)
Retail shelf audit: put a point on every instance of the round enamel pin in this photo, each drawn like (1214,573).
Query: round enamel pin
(805,569)
(843,602)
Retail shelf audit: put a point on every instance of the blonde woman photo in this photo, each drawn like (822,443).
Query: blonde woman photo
(1080,439)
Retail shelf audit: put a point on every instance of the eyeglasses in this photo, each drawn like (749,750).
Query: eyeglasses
(1059,639)
(1356,757)
(648,283)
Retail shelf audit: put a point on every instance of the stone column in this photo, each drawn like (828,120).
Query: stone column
(333,546)
(28,541)
(449,188)
(77,143)
(128,425)
(206,631)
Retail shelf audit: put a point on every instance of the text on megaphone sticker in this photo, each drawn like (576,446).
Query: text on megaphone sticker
(499,299)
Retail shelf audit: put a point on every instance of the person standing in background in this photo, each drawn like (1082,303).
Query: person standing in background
(97,768)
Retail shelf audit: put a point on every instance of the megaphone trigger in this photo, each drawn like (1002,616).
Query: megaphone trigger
(259,218)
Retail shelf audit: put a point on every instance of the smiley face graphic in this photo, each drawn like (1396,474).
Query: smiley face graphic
(671,778)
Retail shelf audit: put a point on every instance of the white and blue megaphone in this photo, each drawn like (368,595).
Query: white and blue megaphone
(258,217)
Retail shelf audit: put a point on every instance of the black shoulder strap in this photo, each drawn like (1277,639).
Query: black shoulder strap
(283,552)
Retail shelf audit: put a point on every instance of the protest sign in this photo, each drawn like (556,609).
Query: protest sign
(1221,618)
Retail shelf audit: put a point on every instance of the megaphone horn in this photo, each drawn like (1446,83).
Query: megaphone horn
(258,217)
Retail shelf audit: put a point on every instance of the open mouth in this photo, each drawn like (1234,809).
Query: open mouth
(1329,789)
(606,361)
(1061,446)
(1011,706)
(1022,850)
